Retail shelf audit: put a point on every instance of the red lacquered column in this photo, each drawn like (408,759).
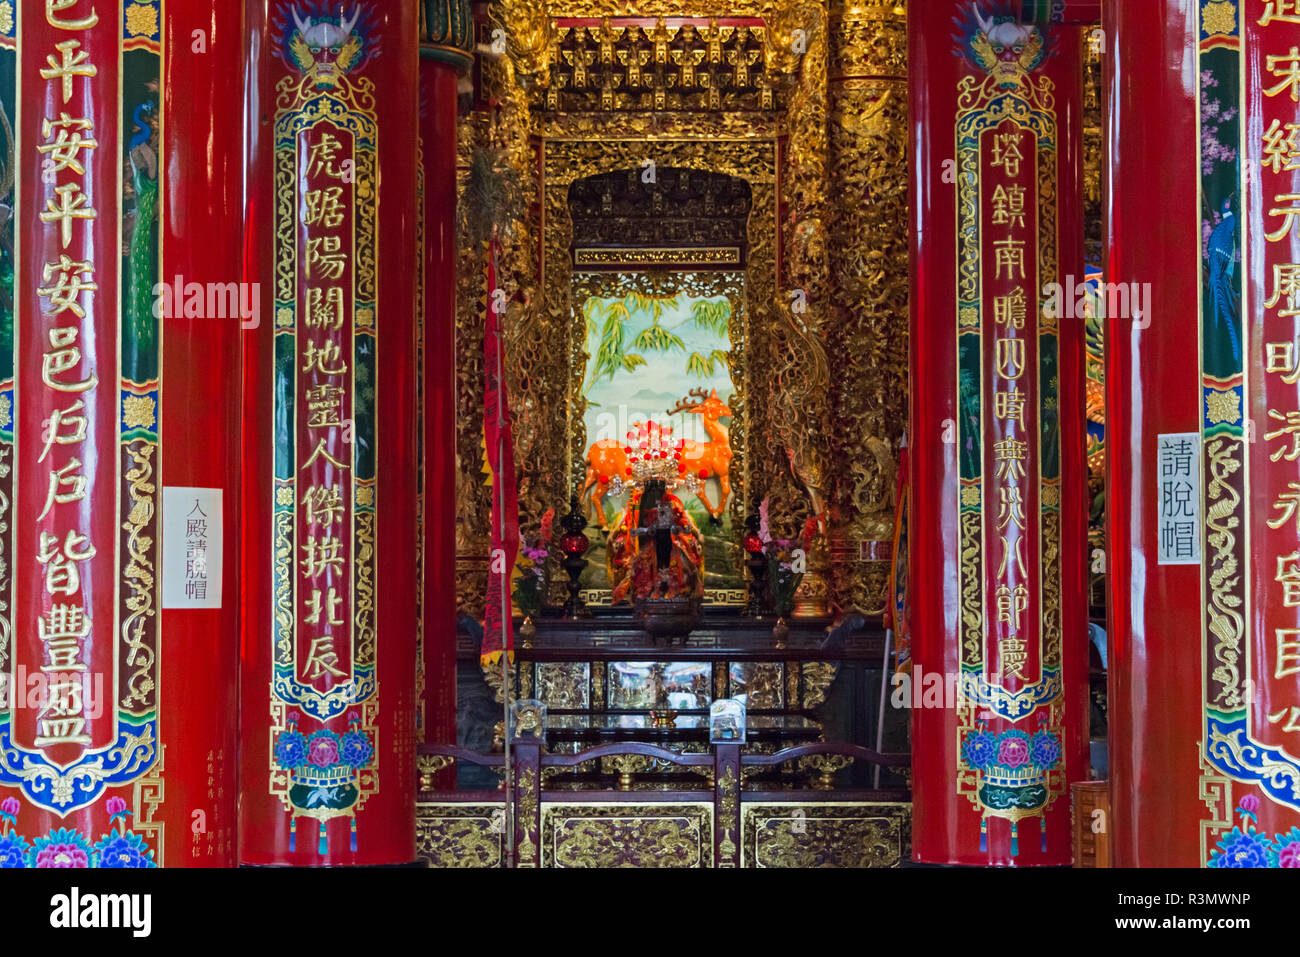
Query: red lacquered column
(445,41)
(1079,12)
(1204,661)
(998,500)
(117,625)
(201,234)
(329,498)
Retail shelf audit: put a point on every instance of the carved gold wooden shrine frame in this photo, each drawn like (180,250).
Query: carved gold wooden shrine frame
(823,389)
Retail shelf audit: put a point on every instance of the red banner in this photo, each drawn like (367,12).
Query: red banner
(324,388)
(1008,161)
(66,443)
(1274,290)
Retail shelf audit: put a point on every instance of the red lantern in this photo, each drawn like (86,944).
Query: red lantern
(573,543)
(753,543)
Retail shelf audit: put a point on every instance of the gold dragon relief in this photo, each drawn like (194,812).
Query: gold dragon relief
(627,835)
(286,263)
(460,835)
(1223,618)
(139,627)
(366,562)
(803,371)
(826,835)
(867,337)
(793,29)
(1047,238)
(1051,608)
(868,40)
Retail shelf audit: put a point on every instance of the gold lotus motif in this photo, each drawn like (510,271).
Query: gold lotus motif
(1219,17)
(138,412)
(141,20)
(1222,407)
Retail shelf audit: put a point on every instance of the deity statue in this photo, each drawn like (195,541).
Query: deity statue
(657,550)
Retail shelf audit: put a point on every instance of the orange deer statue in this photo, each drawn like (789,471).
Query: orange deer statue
(607,458)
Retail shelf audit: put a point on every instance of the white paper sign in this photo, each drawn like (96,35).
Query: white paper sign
(191,542)
(1178,498)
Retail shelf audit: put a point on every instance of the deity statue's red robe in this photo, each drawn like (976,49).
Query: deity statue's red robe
(635,565)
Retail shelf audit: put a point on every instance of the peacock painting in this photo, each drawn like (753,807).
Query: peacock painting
(1222,252)
(140,333)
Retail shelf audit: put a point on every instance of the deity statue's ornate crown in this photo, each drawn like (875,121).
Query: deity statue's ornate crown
(652,454)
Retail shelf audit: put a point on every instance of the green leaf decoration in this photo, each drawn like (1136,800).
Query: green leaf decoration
(699,366)
(610,352)
(632,361)
(656,338)
(713,315)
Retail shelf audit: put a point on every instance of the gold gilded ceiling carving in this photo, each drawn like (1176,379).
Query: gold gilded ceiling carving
(681,209)
(624,66)
(534,18)
(659,126)
(567,160)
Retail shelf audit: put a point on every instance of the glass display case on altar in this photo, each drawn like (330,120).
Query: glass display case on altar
(601,682)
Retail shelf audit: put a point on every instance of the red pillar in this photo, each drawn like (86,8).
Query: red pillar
(1078,12)
(117,419)
(330,450)
(445,40)
(997,574)
(1204,682)
(200,238)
